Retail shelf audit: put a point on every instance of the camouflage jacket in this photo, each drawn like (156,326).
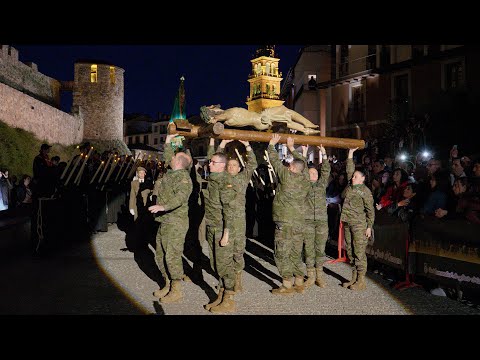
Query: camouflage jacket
(220,193)
(173,191)
(358,202)
(241,180)
(289,202)
(317,196)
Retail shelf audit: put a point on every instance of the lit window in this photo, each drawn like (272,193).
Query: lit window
(93,73)
(112,74)
(155,141)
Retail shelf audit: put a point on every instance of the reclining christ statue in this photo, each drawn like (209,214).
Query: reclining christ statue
(240,117)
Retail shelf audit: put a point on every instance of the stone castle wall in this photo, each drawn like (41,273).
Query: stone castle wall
(26,77)
(46,122)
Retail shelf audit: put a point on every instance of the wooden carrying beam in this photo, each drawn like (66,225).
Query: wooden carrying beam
(218,130)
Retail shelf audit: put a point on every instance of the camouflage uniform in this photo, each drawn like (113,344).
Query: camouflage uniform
(358,214)
(316,218)
(172,191)
(289,216)
(238,225)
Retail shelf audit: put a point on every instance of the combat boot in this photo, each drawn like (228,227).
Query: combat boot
(299,286)
(160,293)
(238,288)
(361,284)
(320,281)
(354,278)
(227,305)
(175,293)
(310,278)
(285,289)
(217,301)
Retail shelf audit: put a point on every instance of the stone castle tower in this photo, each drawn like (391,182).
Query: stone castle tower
(264,80)
(98,94)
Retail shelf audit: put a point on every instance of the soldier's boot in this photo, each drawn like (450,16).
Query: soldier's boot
(238,287)
(299,284)
(227,305)
(285,289)
(320,281)
(217,301)
(175,293)
(310,278)
(354,278)
(361,284)
(160,293)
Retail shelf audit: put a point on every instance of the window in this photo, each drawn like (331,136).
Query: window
(129,140)
(401,87)
(137,139)
(145,139)
(453,75)
(273,89)
(343,60)
(357,104)
(93,73)
(155,141)
(112,74)
(268,89)
(417,51)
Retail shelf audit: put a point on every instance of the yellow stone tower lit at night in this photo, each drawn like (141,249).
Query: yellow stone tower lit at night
(264,80)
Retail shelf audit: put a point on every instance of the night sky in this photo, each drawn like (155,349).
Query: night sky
(214,74)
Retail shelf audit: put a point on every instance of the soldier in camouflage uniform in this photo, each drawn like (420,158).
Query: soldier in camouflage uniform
(316,220)
(215,221)
(358,216)
(238,226)
(289,216)
(172,192)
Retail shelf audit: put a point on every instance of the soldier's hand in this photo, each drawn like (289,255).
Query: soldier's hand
(246,143)
(225,142)
(169,138)
(368,232)
(351,151)
(156,208)
(322,149)
(304,150)
(224,239)
(275,139)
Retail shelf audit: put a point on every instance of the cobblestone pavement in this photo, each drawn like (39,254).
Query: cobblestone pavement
(103,277)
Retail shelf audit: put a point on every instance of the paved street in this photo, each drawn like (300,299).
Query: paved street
(103,277)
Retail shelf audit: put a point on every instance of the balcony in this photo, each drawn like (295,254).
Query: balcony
(263,73)
(263,96)
(357,65)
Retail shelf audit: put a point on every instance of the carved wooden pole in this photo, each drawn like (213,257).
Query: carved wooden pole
(218,130)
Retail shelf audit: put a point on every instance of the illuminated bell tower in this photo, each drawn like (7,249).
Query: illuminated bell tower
(264,80)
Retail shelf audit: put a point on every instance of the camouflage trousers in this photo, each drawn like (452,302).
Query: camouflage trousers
(237,234)
(315,239)
(221,257)
(288,249)
(169,249)
(356,244)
